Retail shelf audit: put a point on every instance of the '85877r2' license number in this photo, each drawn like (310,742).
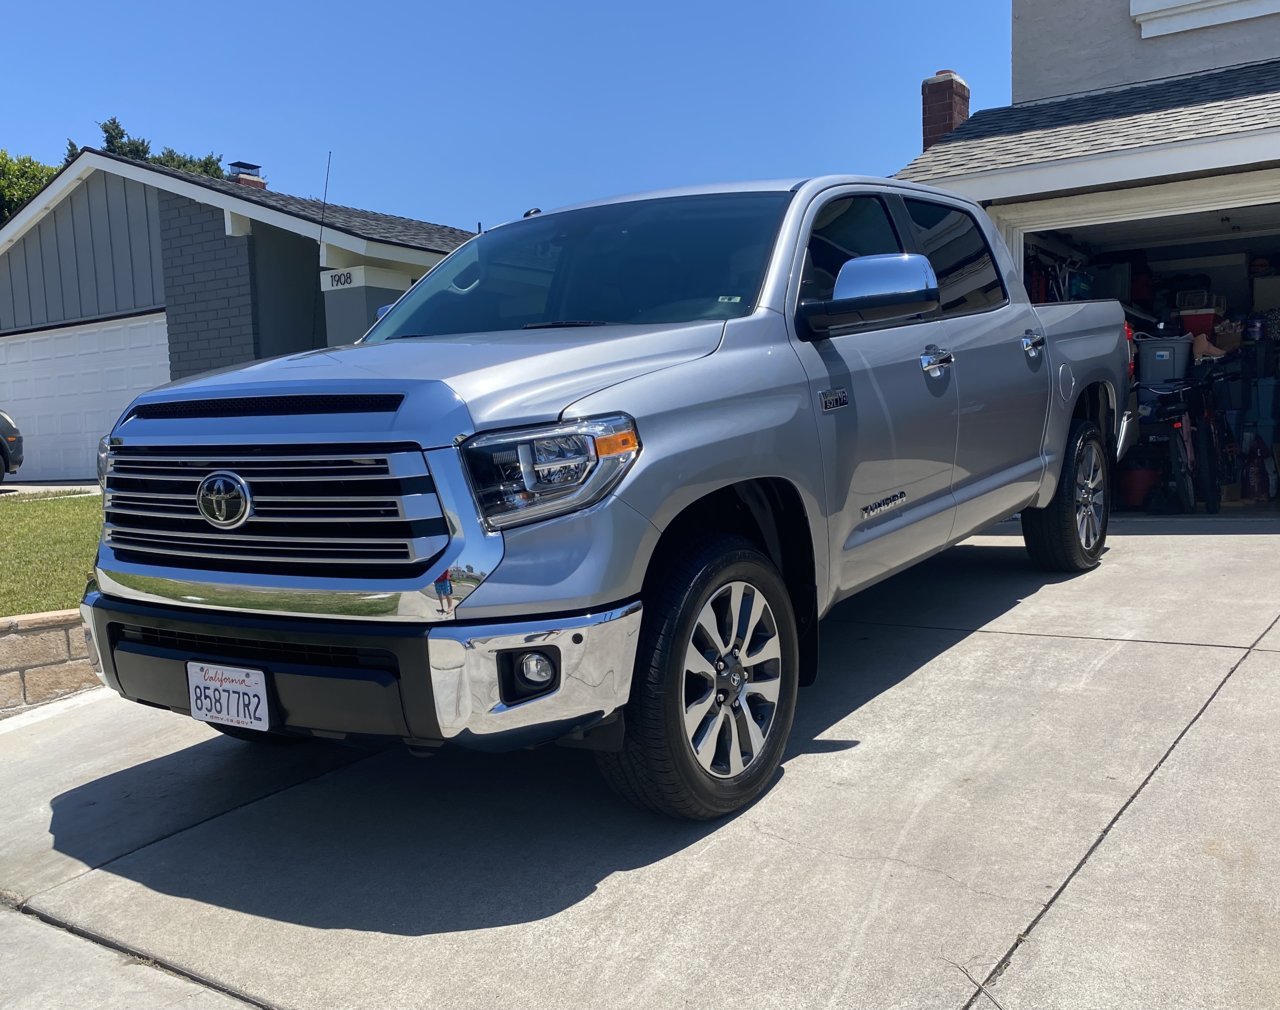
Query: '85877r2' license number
(229,695)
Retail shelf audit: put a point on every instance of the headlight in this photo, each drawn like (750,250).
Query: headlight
(536,473)
(104,447)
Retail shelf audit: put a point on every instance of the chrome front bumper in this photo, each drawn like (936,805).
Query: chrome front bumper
(597,655)
(440,683)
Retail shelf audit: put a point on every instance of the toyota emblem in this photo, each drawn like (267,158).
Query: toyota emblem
(223,499)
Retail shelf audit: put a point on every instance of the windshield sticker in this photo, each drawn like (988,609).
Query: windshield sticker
(731,299)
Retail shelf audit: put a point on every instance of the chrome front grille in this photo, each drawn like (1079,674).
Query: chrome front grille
(339,511)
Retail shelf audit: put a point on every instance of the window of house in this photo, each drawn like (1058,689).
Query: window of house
(844,229)
(968,278)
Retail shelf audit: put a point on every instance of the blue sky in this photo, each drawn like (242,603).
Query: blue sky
(466,112)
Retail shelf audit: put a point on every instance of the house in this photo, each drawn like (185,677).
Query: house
(1140,159)
(122,275)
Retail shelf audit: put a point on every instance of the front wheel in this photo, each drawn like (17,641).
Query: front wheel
(714,690)
(1069,533)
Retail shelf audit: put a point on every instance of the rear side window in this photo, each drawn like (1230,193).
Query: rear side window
(844,229)
(968,278)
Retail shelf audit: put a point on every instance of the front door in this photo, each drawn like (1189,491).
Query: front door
(887,425)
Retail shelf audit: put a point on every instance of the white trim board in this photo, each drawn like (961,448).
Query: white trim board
(239,213)
(1167,17)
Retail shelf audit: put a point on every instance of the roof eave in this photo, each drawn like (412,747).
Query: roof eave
(1115,168)
(89,161)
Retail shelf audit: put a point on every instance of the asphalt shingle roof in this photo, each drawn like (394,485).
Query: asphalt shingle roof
(366,224)
(1234,100)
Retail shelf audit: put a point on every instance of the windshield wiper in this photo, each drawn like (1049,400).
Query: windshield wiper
(564,322)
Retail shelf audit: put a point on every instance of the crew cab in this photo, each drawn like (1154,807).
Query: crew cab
(596,478)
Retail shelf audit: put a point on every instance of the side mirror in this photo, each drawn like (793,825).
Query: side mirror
(873,289)
(381,311)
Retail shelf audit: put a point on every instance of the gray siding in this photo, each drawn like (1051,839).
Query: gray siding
(1086,45)
(287,286)
(208,288)
(97,253)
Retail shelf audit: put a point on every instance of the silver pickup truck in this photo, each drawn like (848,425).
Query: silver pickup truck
(597,477)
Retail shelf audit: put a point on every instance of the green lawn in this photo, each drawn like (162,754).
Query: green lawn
(46,551)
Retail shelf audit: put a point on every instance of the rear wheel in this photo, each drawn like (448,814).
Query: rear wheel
(715,683)
(1208,487)
(1069,533)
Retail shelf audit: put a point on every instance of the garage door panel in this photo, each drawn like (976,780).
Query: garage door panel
(66,387)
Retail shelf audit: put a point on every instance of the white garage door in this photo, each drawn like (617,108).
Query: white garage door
(66,388)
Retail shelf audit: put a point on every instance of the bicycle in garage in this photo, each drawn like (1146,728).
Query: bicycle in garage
(1184,432)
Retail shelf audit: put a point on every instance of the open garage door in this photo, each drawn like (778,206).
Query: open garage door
(65,387)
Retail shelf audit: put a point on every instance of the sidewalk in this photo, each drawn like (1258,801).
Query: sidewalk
(46,968)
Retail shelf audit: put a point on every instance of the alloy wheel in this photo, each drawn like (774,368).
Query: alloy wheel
(1091,496)
(732,679)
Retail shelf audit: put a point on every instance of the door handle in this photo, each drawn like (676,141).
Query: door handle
(934,359)
(1032,342)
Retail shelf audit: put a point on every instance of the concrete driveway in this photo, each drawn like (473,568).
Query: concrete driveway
(1063,789)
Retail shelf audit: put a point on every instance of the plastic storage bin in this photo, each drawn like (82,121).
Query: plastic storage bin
(1161,359)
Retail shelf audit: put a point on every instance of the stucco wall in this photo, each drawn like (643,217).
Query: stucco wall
(1061,48)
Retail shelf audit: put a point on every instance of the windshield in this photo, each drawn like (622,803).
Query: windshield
(671,260)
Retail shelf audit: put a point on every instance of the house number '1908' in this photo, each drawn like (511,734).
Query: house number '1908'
(340,278)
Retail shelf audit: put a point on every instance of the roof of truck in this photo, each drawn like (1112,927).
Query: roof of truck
(755,186)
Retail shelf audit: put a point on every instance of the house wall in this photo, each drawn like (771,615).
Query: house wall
(291,312)
(96,254)
(208,288)
(1086,45)
(352,311)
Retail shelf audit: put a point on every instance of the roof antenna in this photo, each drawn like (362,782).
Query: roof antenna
(315,302)
(532,210)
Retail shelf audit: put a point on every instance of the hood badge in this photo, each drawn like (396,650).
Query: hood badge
(223,499)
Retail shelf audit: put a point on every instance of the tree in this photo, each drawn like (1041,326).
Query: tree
(21,178)
(116,140)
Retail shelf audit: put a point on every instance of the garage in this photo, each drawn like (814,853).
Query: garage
(1201,291)
(66,386)
(1165,196)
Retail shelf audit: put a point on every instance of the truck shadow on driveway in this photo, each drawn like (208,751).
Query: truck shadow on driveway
(401,845)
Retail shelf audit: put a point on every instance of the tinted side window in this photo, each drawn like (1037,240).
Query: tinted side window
(968,278)
(843,230)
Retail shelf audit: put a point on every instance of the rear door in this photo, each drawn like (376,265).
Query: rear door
(1001,368)
(887,426)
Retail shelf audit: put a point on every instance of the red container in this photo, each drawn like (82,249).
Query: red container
(1200,322)
(1135,485)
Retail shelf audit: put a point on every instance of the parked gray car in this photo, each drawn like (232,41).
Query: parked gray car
(597,477)
(10,445)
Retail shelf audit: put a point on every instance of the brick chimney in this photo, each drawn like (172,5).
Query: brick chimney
(945,105)
(249,175)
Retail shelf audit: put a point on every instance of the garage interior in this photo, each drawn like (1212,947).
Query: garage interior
(1214,273)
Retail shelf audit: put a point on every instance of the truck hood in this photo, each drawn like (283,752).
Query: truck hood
(506,378)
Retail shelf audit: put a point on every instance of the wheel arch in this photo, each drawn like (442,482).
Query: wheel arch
(770,512)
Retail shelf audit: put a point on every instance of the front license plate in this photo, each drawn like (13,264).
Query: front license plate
(229,695)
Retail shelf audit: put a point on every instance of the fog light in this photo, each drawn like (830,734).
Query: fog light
(536,669)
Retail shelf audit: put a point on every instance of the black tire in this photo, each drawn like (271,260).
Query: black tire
(657,767)
(1208,487)
(1184,482)
(258,736)
(1052,534)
